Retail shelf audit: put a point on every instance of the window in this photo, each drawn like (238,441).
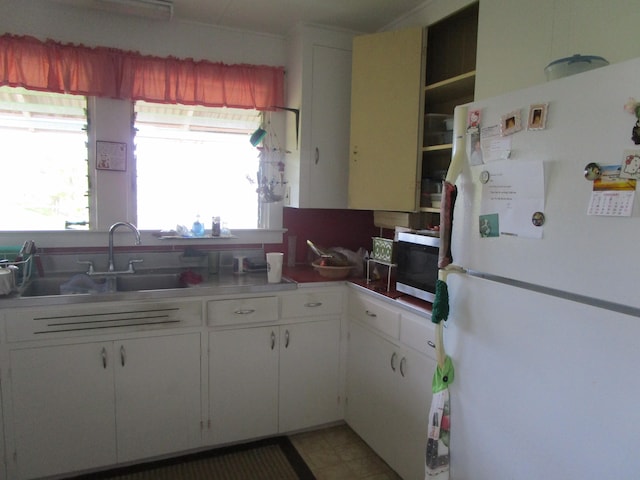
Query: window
(44,160)
(186,161)
(195,161)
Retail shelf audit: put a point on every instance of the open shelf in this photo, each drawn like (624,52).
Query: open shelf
(438,148)
(451,88)
(450,79)
(430,209)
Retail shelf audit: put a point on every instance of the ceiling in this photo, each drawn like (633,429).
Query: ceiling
(279,16)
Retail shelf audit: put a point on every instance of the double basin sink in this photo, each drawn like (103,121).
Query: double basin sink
(146,281)
(45,286)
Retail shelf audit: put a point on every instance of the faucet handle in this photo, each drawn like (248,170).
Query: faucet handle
(132,261)
(90,271)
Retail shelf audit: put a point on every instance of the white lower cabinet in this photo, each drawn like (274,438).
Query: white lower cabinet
(271,379)
(76,400)
(63,408)
(268,377)
(157,395)
(243,383)
(389,391)
(309,364)
(65,398)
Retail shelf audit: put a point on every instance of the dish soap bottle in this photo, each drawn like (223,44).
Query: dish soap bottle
(198,228)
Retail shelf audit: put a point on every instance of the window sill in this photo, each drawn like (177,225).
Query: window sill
(90,238)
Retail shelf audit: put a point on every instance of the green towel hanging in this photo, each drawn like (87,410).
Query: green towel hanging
(440,310)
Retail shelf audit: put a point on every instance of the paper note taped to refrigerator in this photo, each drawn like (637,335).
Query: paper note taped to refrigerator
(512,199)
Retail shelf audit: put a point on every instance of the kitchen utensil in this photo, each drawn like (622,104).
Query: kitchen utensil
(333,258)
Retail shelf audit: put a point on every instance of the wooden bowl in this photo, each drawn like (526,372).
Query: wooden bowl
(332,272)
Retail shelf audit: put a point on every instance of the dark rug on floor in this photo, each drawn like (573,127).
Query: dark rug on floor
(270,459)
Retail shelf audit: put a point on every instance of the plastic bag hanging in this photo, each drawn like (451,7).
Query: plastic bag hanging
(271,183)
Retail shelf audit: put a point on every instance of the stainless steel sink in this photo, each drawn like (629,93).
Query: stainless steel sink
(39,287)
(148,281)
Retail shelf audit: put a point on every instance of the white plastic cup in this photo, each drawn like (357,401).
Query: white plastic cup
(274,267)
(6,281)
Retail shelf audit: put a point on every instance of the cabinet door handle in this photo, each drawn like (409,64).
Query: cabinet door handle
(394,357)
(431,344)
(370,314)
(317,155)
(273,340)
(244,311)
(313,304)
(104,357)
(123,355)
(286,339)
(403,364)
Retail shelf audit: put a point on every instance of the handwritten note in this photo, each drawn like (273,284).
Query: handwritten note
(511,197)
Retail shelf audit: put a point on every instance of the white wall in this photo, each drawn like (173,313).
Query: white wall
(47,19)
(518,38)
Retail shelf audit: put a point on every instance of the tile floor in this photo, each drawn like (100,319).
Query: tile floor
(337,453)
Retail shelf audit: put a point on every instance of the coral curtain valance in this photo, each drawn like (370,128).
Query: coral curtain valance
(106,72)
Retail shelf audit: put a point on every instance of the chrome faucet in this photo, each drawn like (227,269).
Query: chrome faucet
(112,229)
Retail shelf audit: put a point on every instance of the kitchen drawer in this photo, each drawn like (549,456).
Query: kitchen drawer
(375,314)
(242,310)
(418,333)
(311,304)
(26,324)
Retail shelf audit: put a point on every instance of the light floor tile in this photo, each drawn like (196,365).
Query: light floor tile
(338,453)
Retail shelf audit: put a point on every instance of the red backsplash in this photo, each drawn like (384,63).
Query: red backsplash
(350,229)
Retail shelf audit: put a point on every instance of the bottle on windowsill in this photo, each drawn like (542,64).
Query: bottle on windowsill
(198,228)
(215,227)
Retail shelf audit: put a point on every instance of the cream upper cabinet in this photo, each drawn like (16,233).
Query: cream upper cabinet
(386,121)
(319,86)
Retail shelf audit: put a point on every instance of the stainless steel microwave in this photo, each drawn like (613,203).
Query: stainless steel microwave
(417,259)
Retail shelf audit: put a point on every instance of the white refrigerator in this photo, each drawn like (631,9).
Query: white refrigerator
(544,328)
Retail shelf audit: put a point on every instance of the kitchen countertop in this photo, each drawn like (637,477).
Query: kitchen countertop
(303,274)
(224,283)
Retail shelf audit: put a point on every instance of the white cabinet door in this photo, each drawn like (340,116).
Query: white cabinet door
(63,408)
(389,396)
(319,76)
(309,374)
(89,405)
(324,182)
(386,105)
(243,383)
(412,407)
(371,388)
(157,395)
